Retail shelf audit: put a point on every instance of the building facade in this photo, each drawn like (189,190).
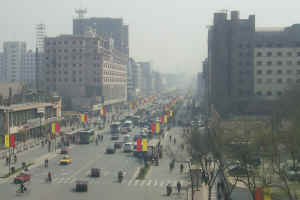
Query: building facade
(28,121)
(14,60)
(230,59)
(2,75)
(112,27)
(85,70)
(146,78)
(29,75)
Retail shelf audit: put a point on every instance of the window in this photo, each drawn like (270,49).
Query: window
(259,80)
(279,71)
(279,80)
(269,71)
(258,93)
(298,62)
(289,62)
(298,53)
(289,54)
(269,54)
(241,53)
(269,80)
(258,54)
(279,93)
(258,72)
(289,80)
(66,80)
(269,93)
(269,63)
(279,63)
(65,42)
(288,71)
(279,53)
(298,71)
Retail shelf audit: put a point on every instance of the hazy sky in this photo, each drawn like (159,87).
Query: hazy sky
(170,33)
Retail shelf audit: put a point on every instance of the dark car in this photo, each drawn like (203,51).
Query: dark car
(22,178)
(110,150)
(81,186)
(95,172)
(118,145)
(115,137)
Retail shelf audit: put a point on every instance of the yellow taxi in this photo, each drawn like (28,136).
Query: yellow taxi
(66,159)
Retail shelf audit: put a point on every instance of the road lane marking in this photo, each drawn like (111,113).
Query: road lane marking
(142,183)
(149,182)
(136,182)
(155,183)
(161,184)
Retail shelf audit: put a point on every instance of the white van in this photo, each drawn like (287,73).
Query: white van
(128,147)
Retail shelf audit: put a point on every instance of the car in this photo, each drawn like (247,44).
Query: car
(110,149)
(95,172)
(118,145)
(293,173)
(126,138)
(128,147)
(65,160)
(81,186)
(114,137)
(22,178)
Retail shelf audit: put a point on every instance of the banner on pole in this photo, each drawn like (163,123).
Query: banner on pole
(138,144)
(144,144)
(6,142)
(157,127)
(53,127)
(12,140)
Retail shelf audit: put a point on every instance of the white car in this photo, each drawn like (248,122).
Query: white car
(128,147)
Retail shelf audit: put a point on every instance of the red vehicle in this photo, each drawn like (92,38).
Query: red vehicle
(22,178)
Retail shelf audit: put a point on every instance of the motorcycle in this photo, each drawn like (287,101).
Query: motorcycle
(169,190)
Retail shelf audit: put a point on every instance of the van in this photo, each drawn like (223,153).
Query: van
(128,147)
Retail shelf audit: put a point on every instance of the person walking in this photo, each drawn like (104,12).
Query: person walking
(178,186)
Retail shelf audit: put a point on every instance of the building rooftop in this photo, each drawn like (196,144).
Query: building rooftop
(269,29)
(25,106)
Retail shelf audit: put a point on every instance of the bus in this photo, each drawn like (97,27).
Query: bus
(115,128)
(86,136)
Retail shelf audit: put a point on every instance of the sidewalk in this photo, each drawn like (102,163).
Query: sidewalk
(33,154)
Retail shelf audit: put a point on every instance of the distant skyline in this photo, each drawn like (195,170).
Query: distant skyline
(170,33)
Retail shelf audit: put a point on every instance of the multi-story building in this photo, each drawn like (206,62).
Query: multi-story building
(30,120)
(157,83)
(2,75)
(14,59)
(146,80)
(276,61)
(85,70)
(230,59)
(29,75)
(112,27)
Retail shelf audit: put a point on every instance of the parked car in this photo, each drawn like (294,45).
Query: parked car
(95,172)
(65,160)
(114,137)
(22,178)
(128,147)
(110,149)
(118,145)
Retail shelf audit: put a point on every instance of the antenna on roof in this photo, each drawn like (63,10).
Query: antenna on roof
(80,12)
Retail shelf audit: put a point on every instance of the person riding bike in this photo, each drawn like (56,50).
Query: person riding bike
(178,187)
(49,177)
(181,168)
(169,190)
(120,176)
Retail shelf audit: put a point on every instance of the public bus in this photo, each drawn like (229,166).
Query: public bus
(86,136)
(115,128)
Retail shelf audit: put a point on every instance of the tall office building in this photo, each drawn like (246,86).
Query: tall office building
(230,59)
(29,75)
(14,60)
(146,77)
(105,26)
(2,75)
(85,70)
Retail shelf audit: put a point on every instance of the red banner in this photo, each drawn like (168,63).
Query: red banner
(57,127)
(259,193)
(138,144)
(162,119)
(104,111)
(12,140)
(85,117)
(153,127)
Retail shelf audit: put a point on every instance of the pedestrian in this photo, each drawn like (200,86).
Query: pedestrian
(178,186)
(15,158)
(170,137)
(174,140)
(7,160)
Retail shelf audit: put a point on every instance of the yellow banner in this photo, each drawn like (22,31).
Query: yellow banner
(157,128)
(101,111)
(6,142)
(267,193)
(53,129)
(171,113)
(82,117)
(144,144)
(165,119)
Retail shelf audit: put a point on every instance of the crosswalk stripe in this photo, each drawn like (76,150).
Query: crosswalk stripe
(129,183)
(149,182)
(136,182)
(161,184)
(142,183)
